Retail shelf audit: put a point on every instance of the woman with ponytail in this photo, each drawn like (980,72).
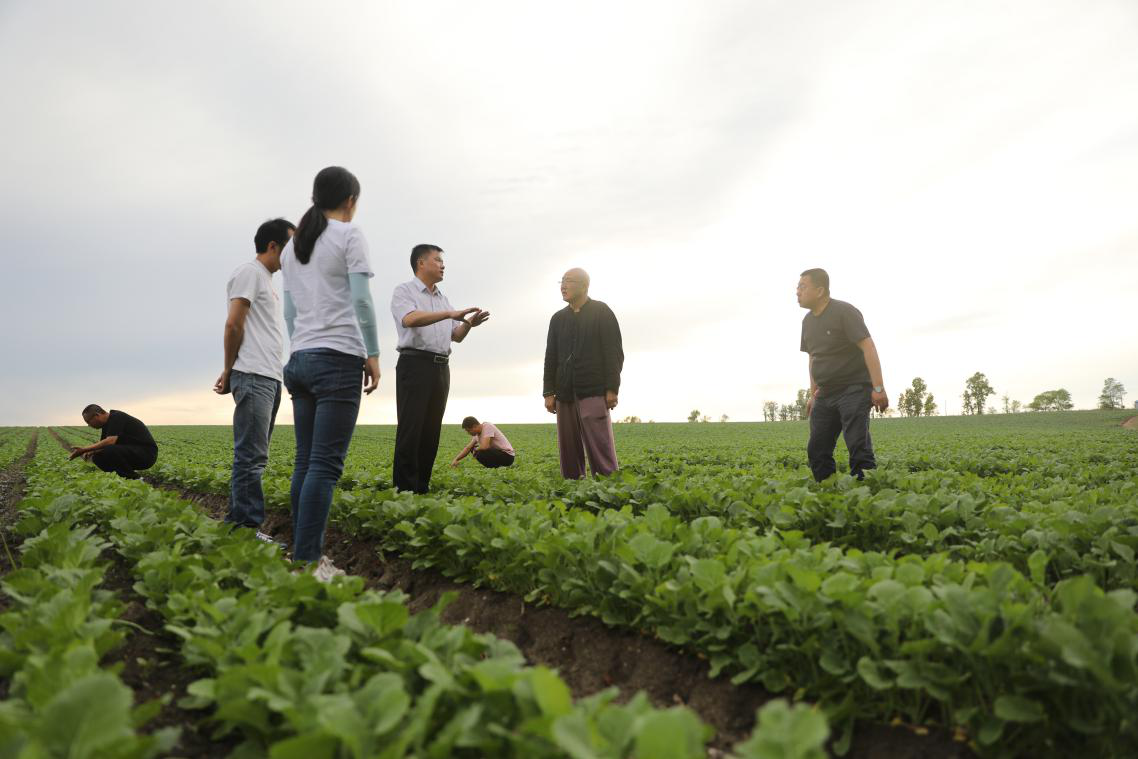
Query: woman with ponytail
(334,350)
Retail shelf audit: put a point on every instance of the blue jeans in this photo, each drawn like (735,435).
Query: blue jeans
(326,387)
(254,416)
(845,412)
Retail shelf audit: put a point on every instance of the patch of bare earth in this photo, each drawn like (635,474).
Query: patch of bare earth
(1131,423)
(589,655)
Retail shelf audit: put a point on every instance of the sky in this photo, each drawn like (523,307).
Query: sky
(967,172)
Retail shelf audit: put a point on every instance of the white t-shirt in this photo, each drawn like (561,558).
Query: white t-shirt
(262,348)
(321,293)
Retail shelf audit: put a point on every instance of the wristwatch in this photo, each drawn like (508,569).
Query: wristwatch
(878,389)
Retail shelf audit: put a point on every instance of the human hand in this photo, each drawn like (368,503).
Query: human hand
(76,452)
(810,403)
(221,387)
(551,404)
(479,317)
(610,399)
(454,464)
(880,401)
(460,315)
(88,455)
(371,374)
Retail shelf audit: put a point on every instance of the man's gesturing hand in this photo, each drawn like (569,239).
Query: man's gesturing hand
(610,399)
(479,317)
(460,315)
(880,401)
(221,387)
(551,404)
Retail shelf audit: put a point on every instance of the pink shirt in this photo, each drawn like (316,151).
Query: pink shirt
(496,439)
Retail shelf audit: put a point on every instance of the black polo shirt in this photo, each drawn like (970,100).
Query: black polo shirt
(831,339)
(130,431)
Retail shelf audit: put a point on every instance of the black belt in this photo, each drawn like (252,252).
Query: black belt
(438,358)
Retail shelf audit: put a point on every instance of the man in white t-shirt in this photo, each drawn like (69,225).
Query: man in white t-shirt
(254,347)
(490,447)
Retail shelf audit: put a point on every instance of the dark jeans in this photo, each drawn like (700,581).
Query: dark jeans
(123,460)
(257,400)
(325,386)
(492,458)
(845,411)
(421,390)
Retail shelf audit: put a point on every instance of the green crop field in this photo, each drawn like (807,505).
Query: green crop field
(981,583)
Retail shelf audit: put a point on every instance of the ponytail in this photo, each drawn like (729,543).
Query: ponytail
(331,188)
(312,225)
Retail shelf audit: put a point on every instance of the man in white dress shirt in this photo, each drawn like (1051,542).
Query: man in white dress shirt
(427,324)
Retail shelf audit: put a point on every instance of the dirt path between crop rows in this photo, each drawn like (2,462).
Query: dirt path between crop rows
(13,481)
(589,655)
(1131,423)
(152,666)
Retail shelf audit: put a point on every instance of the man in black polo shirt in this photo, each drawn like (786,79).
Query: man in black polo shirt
(124,446)
(845,377)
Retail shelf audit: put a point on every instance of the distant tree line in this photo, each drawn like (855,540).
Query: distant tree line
(916,400)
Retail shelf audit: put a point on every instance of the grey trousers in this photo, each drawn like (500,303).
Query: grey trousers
(585,427)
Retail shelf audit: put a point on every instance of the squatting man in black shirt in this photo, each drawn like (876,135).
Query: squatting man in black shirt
(125,444)
(845,377)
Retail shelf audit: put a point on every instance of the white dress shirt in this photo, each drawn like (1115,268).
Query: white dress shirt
(416,296)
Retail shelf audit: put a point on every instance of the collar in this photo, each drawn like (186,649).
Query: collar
(422,287)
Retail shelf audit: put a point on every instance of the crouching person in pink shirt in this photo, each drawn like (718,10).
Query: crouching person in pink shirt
(490,447)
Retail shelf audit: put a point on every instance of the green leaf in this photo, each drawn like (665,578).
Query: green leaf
(314,745)
(1019,709)
(871,672)
(88,717)
(672,734)
(551,692)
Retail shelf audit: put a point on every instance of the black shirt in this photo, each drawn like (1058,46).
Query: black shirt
(583,353)
(831,339)
(130,431)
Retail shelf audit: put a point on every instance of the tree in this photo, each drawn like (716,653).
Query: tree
(694,415)
(976,392)
(903,403)
(784,413)
(930,405)
(1112,394)
(1007,404)
(723,419)
(770,411)
(630,420)
(704,418)
(1016,406)
(1052,400)
(911,402)
(800,402)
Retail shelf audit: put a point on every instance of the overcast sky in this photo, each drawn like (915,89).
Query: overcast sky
(966,171)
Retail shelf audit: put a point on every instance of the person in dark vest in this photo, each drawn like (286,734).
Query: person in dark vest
(583,360)
(845,377)
(125,444)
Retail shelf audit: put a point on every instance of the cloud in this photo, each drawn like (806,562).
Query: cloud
(964,172)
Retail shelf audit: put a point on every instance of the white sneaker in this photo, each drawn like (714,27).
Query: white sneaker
(266,538)
(326,570)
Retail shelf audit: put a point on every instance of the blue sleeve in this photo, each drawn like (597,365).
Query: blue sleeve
(289,313)
(365,310)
